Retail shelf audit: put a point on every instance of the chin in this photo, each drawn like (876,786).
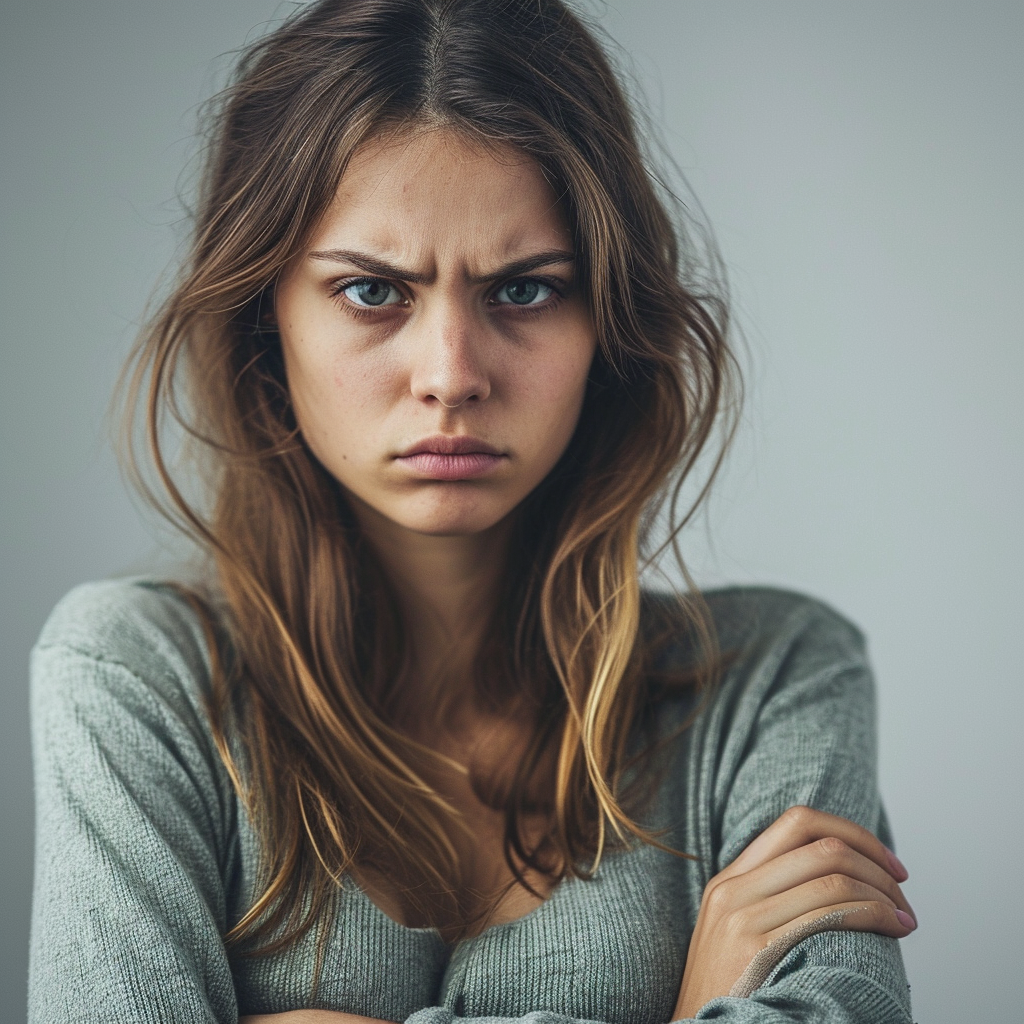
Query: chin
(451,515)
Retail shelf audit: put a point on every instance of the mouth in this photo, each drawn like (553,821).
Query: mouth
(445,457)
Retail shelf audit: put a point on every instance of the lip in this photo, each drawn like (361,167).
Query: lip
(449,444)
(445,457)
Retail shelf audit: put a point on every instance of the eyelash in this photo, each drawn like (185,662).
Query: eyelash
(557,294)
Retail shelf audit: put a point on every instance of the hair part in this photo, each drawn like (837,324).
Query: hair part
(302,700)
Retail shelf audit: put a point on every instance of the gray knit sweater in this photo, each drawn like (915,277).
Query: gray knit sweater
(145,858)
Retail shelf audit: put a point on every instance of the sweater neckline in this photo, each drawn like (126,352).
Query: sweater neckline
(430,932)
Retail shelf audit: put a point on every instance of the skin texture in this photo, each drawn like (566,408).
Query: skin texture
(444,354)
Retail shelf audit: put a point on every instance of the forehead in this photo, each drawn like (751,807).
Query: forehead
(434,195)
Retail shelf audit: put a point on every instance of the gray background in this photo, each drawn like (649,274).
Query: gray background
(860,163)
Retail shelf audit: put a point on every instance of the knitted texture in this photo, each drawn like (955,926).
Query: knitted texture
(145,857)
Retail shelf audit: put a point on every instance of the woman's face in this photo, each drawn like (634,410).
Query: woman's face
(435,343)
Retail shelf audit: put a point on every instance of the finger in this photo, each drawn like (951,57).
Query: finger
(799,826)
(815,860)
(870,917)
(818,896)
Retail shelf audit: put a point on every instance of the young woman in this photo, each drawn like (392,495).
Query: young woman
(416,744)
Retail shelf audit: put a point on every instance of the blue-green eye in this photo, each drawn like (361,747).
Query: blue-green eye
(371,291)
(524,291)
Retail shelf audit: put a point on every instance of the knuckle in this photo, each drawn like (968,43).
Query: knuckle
(832,847)
(714,883)
(718,897)
(835,886)
(799,818)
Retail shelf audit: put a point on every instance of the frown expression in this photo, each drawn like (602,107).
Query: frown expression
(435,342)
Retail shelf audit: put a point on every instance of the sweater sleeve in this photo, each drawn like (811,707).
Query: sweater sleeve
(128,906)
(800,730)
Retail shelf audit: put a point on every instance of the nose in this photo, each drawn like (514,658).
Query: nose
(447,363)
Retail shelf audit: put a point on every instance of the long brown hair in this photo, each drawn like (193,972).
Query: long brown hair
(306,637)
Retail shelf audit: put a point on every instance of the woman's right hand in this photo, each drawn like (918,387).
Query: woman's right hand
(807,872)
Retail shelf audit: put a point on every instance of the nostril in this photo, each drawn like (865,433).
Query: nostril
(455,402)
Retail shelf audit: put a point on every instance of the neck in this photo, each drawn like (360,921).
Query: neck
(447,588)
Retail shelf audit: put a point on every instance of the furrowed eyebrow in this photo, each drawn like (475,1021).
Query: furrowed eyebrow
(369,264)
(381,268)
(527,264)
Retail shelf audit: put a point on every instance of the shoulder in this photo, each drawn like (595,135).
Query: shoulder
(787,661)
(760,629)
(748,618)
(759,618)
(789,648)
(124,620)
(131,644)
(790,654)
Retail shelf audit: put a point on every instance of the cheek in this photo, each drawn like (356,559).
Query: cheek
(359,387)
(339,398)
(552,388)
(560,378)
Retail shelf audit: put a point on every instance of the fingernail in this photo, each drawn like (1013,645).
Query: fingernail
(897,865)
(906,920)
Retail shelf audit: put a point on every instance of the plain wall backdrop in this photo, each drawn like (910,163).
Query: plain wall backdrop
(861,166)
